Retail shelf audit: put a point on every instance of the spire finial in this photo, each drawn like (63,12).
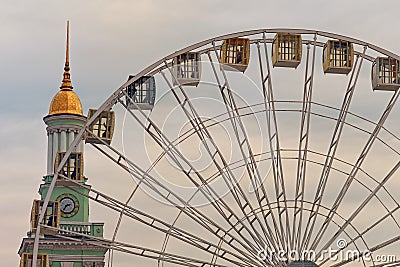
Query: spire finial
(67,46)
(66,82)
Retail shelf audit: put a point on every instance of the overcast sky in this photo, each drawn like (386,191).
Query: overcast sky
(109,41)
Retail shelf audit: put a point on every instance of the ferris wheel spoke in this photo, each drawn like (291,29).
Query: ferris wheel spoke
(172,230)
(191,113)
(221,207)
(247,154)
(137,250)
(379,221)
(189,210)
(360,235)
(357,166)
(228,176)
(361,207)
(162,226)
(278,229)
(273,139)
(129,211)
(303,146)
(332,150)
(355,229)
(235,224)
(373,249)
(119,221)
(386,243)
(199,219)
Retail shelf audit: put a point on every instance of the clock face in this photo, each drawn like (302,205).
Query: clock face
(69,205)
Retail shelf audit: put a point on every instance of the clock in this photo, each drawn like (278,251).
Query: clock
(69,205)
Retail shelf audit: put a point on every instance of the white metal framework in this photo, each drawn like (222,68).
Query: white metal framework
(310,167)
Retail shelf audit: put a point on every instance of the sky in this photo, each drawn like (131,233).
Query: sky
(113,39)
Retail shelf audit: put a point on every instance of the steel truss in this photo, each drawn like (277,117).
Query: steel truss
(280,215)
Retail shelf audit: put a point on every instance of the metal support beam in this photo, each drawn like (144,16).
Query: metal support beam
(303,147)
(332,151)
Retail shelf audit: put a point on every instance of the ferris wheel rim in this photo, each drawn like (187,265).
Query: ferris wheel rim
(112,100)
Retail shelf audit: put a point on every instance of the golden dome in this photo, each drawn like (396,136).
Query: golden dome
(66,101)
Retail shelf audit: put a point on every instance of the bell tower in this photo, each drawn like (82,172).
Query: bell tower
(64,121)
(67,215)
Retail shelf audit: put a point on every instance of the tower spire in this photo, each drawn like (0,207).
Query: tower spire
(66,82)
(67,46)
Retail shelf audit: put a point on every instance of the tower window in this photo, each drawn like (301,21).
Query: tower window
(142,92)
(286,50)
(26,260)
(235,54)
(51,217)
(187,69)
(73,168)
(102,127)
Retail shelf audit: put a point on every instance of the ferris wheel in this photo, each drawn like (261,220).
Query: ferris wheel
(271,147)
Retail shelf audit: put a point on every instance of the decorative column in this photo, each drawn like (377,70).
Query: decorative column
(63,147)
(71,137)
(49,152)
(55,150)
